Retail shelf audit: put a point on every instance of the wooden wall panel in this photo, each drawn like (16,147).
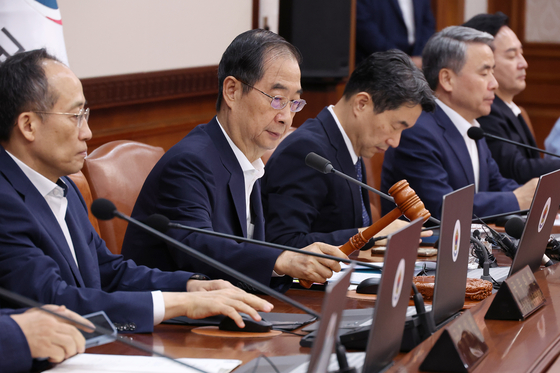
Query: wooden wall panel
(157,108)
(448,13)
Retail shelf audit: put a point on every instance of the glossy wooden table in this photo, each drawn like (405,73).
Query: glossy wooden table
(532,345)
(529,346)
(178,341)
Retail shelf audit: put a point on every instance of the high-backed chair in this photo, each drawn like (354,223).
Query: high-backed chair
(116,171)
(81,182)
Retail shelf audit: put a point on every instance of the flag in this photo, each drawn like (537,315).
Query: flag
(31,24)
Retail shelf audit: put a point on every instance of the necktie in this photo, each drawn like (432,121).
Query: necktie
(359,176)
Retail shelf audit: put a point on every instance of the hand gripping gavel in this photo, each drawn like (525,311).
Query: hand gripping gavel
(408,204)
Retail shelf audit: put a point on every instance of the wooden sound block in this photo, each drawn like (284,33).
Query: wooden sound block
(372,297)
(214,331)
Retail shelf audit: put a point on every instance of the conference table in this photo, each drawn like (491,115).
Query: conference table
(532,345)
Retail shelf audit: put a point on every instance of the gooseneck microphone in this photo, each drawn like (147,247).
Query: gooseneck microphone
(104,209)
(514,227)
(325,166)
(476,133)
(27,302)
(162,224)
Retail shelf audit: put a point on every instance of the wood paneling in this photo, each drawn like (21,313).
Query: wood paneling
(448,13)
(156,108)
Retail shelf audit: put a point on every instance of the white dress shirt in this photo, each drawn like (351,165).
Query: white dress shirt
(407,9)
(55,196)
(345,137)
(463,126)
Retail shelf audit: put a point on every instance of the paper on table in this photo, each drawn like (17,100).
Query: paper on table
(143,364)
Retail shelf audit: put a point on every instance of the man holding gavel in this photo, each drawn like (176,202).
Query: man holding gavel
(384,96)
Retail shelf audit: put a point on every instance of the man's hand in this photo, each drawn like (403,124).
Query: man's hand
(204,303)
(393,227)
(201,285)
(309,267)
(525,193)
(49,336)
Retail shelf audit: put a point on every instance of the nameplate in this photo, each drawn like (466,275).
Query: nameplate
(459,348)
(518,297)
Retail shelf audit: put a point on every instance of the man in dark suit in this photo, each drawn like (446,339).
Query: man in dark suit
(393,24)
(48,249)
(436,156)
(30,334)
(384,96)
(505,120)
(210,179)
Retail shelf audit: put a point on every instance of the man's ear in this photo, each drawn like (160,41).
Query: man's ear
(446,79)
(232,90)
(27,124)
(361,102)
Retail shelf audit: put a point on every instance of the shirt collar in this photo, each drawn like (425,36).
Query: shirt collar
(43,185)
(344,136)
(461,123)
(256,167)
(516,110)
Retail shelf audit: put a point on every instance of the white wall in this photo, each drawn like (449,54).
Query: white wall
(474,7)
(112,37)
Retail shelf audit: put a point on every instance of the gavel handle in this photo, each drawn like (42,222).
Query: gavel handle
(361,238)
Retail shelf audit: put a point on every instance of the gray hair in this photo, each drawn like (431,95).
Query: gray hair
(447,49)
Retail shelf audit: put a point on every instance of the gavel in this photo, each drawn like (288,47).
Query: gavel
(408,204)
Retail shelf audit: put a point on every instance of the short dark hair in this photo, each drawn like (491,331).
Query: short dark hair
(392,80)
(490,23)
(23,87)
(244,58)
(447,49)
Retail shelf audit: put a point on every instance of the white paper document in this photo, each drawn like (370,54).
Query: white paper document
(143,364)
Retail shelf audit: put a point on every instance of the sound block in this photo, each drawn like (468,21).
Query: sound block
(213,331)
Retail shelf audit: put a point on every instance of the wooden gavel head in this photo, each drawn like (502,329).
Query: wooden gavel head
(408,202)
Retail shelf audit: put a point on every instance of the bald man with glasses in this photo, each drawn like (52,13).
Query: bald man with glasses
(210,179)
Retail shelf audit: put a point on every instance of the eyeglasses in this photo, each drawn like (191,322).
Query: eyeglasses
(280,102)
(80,116)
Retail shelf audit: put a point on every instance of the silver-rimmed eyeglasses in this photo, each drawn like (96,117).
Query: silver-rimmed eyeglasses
(82,115)
(280,102)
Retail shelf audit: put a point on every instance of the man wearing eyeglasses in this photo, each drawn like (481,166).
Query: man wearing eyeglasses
(210,179)
(384,96)
(49,250)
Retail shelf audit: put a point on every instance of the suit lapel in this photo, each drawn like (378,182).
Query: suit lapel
(343,160)
(398,10)
(518,125)
(512,119)
(37,202)
(236,183)
(456,143)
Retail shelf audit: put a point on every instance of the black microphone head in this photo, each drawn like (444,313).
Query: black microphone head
(158,222)
(514,227)
(318,163)
(103,209)
(475,133)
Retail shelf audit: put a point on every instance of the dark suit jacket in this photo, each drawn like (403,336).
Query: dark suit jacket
(433,157)
(15,355)
(515,162)
(199,183)
(303,206)
(380,26)
(35,260)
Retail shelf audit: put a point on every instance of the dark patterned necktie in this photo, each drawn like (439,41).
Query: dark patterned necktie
(359,176)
